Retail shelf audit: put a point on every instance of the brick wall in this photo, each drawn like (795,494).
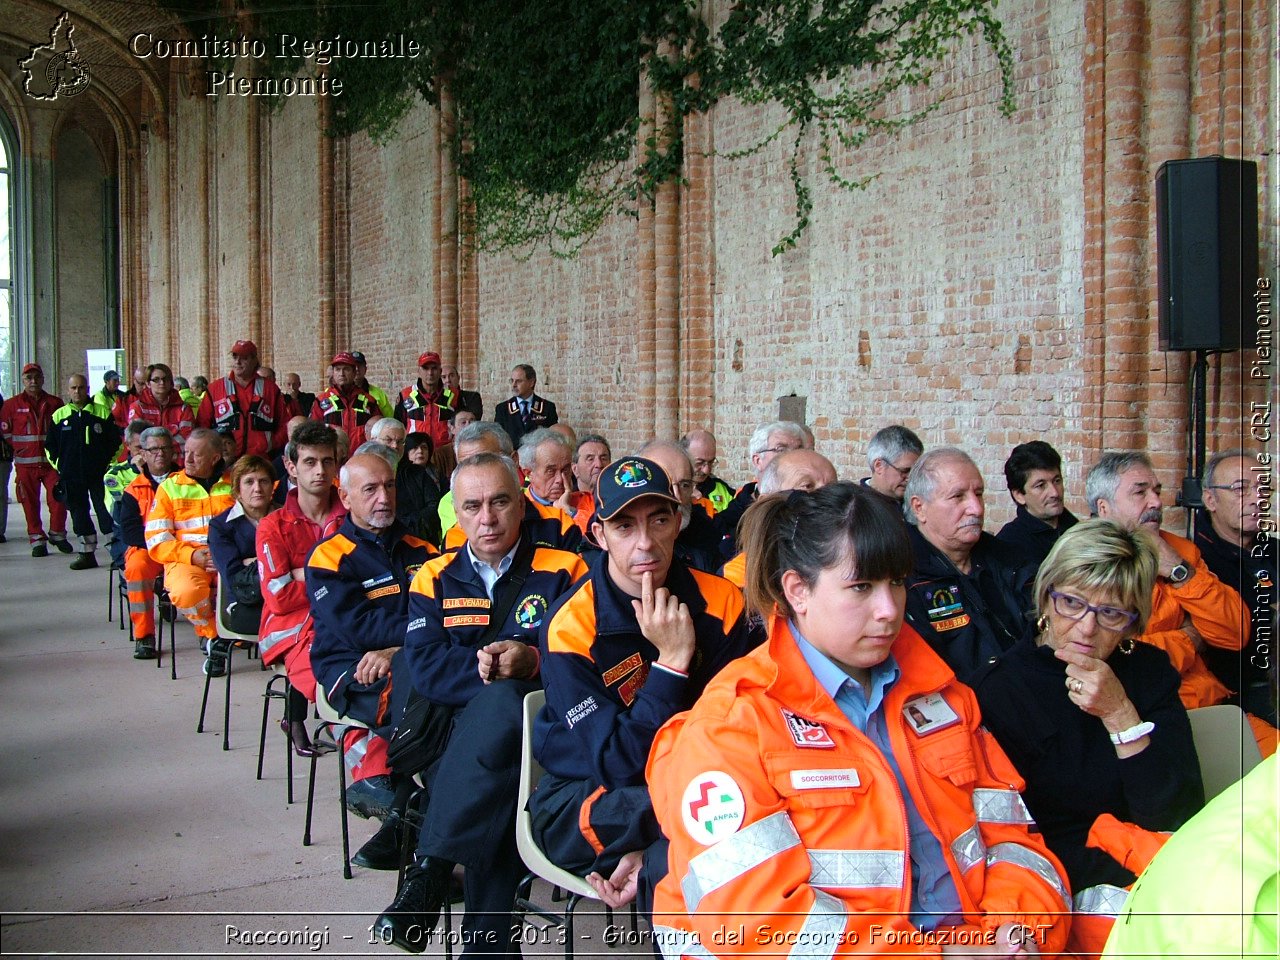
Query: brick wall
(993,284)
(80,235)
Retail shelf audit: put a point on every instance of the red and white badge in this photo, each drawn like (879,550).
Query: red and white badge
(807,733)
(712,807)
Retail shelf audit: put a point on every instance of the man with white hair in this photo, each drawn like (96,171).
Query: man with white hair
(794,470)
(768,440)
(1190,607)
(698,544)
(962,596)
(389,432)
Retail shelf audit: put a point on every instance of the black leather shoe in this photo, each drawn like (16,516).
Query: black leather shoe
(413,914)
(86,561)
(64,546)
(144,648)
(382,850)
(40,550)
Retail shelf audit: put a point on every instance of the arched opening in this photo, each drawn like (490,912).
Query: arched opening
(8,259)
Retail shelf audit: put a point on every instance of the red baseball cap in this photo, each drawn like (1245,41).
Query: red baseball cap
(343,359)
(244,348)
(428,357)
(32,368)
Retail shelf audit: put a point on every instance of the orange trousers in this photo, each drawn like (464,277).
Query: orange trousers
(140,573)
(192,590)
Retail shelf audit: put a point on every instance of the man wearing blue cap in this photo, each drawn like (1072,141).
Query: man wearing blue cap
(632,645)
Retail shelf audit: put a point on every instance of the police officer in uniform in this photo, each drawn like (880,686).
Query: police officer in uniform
(525,411)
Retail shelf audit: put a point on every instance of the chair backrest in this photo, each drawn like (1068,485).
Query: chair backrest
(1225,745)
(325,711)
(530,773)
(224,630)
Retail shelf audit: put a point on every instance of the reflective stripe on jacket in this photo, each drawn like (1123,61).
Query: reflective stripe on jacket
(776,804)
(175,416)
(350,411)
(25,423)
(178,524)
(285,539)
(253,414)
(82,441)
(449,612)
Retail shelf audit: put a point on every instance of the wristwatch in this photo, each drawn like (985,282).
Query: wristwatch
(1136,732)
(1180,574)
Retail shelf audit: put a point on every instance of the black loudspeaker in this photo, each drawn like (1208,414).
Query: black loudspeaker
(1207,253)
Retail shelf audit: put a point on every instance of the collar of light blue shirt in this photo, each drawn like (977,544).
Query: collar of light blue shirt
(829,674)
(538,499)
(490,575)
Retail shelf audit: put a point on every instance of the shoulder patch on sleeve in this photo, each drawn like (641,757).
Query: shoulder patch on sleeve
(724,600)
(573,628)
(551,559)
(712,807)
(328,554)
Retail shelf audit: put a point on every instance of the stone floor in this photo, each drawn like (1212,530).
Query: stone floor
(123,832)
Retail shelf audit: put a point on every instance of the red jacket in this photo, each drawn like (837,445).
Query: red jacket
(350,411)
(253,414)
(25,423)
(175,415)
(285,538)
(421,412)
(787,820)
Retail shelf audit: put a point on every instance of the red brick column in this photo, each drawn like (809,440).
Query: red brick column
(697,278)
(444,337)
(328,315)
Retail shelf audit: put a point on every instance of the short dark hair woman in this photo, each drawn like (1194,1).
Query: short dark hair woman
(835,784)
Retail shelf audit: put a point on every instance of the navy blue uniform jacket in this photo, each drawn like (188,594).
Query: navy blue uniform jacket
(604,703)
(449,613)
(358,583)
(968,619)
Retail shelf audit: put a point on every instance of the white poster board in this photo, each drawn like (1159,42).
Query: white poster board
(99,362)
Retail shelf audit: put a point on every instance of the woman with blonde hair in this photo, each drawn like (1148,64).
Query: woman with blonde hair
(1092,720)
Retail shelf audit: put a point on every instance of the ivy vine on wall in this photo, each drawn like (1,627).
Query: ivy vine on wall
(547,92)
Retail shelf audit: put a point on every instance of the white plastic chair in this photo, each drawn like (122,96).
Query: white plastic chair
(539,866)
(1225,745)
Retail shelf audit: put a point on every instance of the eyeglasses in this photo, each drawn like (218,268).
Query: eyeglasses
(685,486)
(1075,608)
(157,449)
(901,472)
(159,380)
(1239,488)
(708,464)
(779,449)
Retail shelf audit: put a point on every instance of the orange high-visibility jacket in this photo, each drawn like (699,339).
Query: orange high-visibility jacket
(178,524)
(1215,610)
(788,828)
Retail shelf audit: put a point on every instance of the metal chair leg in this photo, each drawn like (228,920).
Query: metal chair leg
(226,707)
(204,703)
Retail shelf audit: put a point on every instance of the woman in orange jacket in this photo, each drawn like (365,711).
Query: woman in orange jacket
(832,792)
